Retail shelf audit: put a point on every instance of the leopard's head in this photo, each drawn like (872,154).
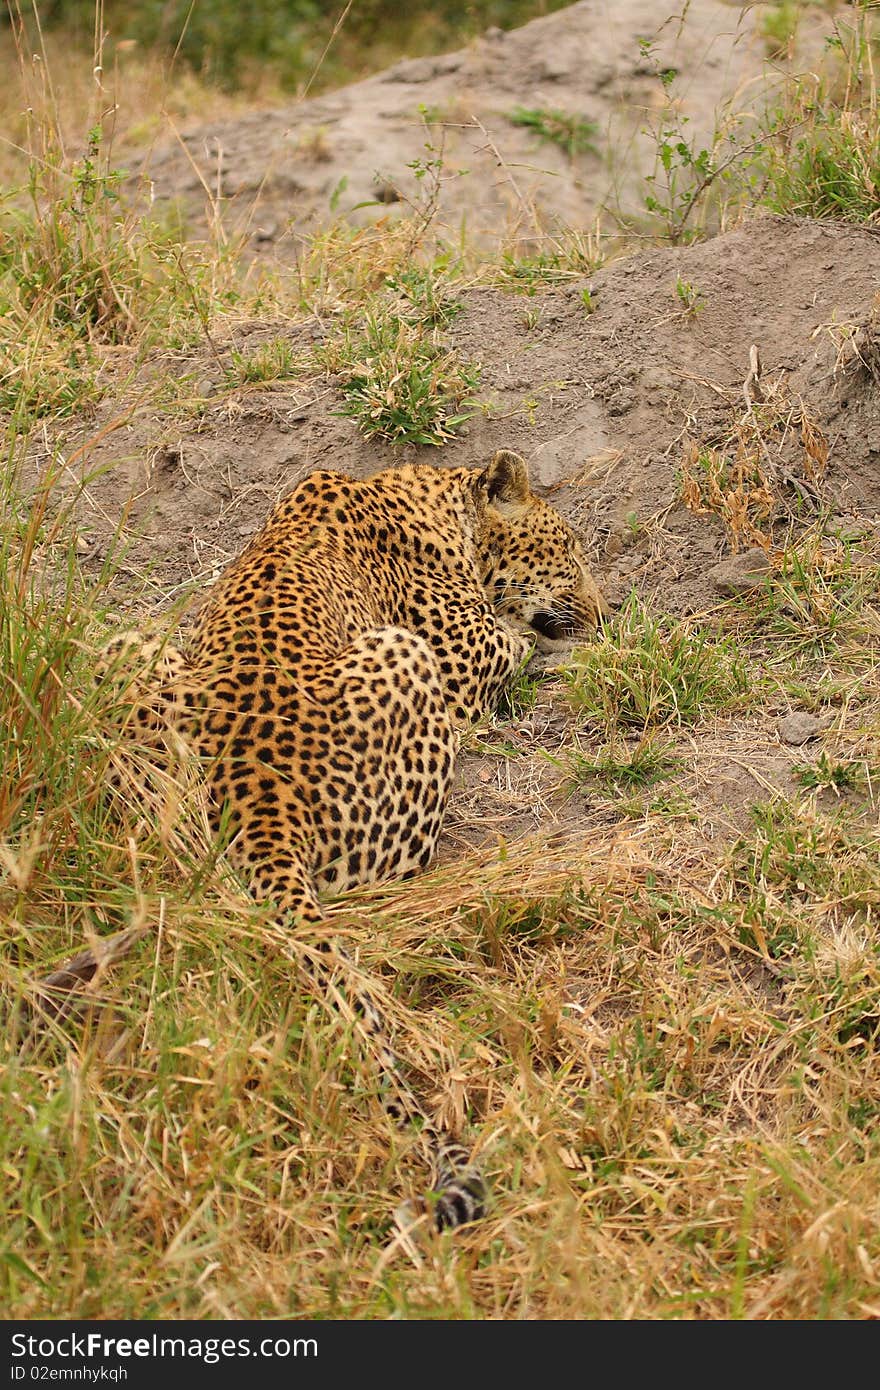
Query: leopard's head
(532,563)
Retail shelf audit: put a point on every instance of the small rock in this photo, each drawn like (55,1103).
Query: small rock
(798,726)
(630,563)
(739,574)
(620,402)
(552,68)
(411,70)
(848,528)
(614,544)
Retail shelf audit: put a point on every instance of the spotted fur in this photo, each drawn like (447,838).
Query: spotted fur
(327,678)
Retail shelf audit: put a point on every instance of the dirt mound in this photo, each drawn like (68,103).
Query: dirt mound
(491,113)
(602,403)
(606,393)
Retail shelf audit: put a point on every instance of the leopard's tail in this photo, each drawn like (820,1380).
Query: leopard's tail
(459,1194)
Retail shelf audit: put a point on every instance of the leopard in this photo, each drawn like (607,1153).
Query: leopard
(326,684)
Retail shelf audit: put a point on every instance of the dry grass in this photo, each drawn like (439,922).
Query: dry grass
(651,1097)
(660,1029)
(769,458)
(134,90)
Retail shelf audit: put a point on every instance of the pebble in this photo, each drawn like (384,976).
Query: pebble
(848,528)
(798,726)
(630,563)
(738,574)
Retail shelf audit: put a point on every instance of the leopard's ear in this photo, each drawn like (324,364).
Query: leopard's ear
(506,480)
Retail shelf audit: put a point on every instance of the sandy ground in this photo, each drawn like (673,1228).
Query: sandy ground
(280,172)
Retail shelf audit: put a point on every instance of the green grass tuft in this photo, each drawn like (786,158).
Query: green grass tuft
(573,134)
(401,384)
(644,672)
(625,768)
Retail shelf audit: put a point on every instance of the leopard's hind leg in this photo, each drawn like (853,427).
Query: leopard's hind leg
(154,679)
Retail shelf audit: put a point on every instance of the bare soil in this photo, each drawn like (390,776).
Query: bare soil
(601,404)
(356,150)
